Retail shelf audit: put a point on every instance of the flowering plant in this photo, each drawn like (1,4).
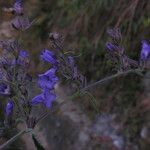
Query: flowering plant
(15,77)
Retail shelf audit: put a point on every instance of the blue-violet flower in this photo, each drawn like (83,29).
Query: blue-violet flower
(9,108)
(145,50)
(46,98)
(48,79)
(49,56)
(4,89)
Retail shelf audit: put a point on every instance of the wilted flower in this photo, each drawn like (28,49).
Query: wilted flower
(48,79)
(56,40)
(8,61)
(46,98)
(21,23)
(111,47)
(71,61)
(9,46)
(4,89)
(9,108)
(3,74)
(54,36)
(18,8)
(114,33)
(49,56)
(145,50)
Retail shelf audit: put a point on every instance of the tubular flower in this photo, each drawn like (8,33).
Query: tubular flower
(49,56)
(145,50)
(9,108)
(48,79)
(45,98)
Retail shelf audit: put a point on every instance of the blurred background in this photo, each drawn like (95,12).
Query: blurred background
(122,121)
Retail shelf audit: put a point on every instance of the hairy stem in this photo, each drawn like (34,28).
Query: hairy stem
(136,71)
(14,138)
(101,81)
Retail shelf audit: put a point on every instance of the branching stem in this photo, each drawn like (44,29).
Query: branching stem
(136,71)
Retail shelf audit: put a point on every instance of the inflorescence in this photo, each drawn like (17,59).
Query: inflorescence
(15,77)
(118,54)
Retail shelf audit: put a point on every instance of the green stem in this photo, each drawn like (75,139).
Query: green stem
(84,90)
(8,82)
(14,138)
(136,71)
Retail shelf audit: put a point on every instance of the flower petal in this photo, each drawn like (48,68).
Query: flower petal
(18,8)
(37,99)
(9,108)
(48,79)
(48,98)
(145,50)
(48,56)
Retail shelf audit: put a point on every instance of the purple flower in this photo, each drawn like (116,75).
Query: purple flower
(114,33)
(4,89)
(46,98)
(23,54)
(145,50)
(9,108)
(110,46)
(49,56)
(48,79)
(23,58)
(18,8)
